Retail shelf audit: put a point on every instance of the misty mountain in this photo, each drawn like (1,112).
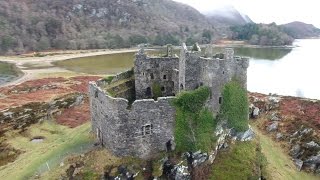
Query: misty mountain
(228,16)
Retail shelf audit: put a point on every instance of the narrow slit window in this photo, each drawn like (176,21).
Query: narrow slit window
(164,76)
(220,100)
(151,76)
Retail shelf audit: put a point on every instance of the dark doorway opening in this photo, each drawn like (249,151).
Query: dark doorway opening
(148,92)
(169,146)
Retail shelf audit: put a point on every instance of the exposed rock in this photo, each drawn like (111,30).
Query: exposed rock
(313,160)
(312,144)
(274,117)
(295,134)
(182,173)
(295,151)
(225,145)
(312,167)
(273,102)
(199,158)
(273,126)
(306,131)
(247,136)
(79,99)
(298,163)
(256,112)
(279,136)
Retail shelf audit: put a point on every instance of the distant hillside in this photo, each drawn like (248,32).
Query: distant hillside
(228,16)
(261,34)
(33,25)
(300,30)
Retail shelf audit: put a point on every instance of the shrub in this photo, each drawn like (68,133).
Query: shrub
(108,79)
(234,107)
(156,90)
(163,39)
(137,39)
(195,124)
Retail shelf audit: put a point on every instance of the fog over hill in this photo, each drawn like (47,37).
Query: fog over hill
(227,16)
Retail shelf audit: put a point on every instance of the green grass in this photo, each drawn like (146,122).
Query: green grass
(239,162)
(108,79)
(59,140)
(195,124)
(234,106)
(279,164)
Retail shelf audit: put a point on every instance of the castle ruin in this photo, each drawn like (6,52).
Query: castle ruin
(133,116)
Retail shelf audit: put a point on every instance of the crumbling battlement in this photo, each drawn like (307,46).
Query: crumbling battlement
(139,129)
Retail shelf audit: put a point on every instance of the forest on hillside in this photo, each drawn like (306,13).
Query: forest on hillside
(262,34)
(37,25)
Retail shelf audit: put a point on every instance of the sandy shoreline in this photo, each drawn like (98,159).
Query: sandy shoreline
(21,63)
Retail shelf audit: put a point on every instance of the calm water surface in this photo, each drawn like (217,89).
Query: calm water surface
(295,74)
(7,72)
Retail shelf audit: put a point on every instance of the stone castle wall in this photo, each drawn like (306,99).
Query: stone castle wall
(162,71)
(212,72)
(142,127)
(139,129)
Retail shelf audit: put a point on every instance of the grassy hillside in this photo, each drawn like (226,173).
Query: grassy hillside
(59,142)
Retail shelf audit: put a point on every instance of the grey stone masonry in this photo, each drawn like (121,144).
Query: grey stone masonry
(152,71)
(132,123)
(140,129)
(195,71)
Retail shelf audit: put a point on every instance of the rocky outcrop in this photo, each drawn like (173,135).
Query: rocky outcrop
(31,113)
(292,121)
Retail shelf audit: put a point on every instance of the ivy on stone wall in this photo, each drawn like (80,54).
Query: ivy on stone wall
(234,106)
(195,124)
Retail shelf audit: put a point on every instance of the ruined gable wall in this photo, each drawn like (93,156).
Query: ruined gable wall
(150,70)
(218,72)
(193,68)
(121,125)
(214,73)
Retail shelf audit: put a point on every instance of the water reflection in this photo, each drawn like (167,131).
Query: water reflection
(263,53)
(296,74)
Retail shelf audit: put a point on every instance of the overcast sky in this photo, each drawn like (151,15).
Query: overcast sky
(267,11)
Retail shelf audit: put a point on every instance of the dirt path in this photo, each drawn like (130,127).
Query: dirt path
(280,166)
(36,67)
